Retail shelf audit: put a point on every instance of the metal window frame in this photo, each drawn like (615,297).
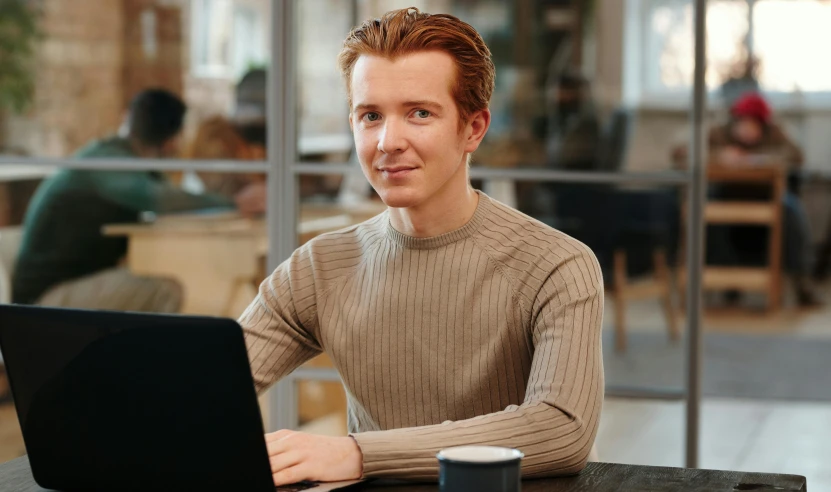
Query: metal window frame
(283,169)
(122,164)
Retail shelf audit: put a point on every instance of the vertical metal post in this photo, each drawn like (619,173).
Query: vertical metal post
(354,15)
(282,184)
(751,28)
(695,238)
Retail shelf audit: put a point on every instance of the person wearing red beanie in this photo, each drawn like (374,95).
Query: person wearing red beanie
(751,136)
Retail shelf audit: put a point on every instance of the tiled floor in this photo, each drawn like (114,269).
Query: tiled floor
(761,436)
(11,442)
(748,435)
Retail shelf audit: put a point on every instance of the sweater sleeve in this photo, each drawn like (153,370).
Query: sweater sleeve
(139,191)
(279,323)
(556,424)
(786,149)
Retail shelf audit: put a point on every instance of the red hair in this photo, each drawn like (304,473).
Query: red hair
(405,31)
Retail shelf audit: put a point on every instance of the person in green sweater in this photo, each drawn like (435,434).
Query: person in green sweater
(66,261)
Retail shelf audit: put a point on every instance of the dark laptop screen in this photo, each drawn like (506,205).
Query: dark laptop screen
(103,394)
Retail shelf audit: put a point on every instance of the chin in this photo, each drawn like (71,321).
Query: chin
(400,198)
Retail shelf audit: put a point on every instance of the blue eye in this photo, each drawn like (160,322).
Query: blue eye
(422,113)
(372,116)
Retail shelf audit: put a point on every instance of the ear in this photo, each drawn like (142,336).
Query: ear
(476,129)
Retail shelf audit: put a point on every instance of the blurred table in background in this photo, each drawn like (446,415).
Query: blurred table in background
(219,258)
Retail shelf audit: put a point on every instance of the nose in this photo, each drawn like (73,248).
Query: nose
(392,138)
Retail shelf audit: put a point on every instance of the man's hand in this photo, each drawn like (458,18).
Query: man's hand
(297,456)
(251,200)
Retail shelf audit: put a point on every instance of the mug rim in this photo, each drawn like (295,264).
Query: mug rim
(516,457)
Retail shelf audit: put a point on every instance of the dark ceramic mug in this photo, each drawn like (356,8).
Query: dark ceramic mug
(480,469)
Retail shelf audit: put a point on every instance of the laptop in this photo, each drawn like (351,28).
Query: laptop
(129,401)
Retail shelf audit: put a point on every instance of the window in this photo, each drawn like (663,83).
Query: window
(228,36)
(792,38)
(787,36)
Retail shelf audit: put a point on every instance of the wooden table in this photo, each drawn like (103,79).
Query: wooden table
(219,258)
(16,476)
(215,260)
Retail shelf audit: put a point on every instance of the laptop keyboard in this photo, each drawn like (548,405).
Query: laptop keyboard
(296,487)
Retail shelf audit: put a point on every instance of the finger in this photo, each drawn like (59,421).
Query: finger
(289,475)
(277,447)
(276,436)
(283,461)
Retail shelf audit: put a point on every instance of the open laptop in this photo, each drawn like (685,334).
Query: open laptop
(128,401)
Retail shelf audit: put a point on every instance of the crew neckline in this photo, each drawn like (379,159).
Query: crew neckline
(464,232)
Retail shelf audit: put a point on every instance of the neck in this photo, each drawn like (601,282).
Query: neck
(448,210)
(142,150)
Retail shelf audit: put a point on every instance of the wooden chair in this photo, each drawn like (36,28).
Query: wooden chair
(658,286)
(630,231)
(10,238)
(766,279)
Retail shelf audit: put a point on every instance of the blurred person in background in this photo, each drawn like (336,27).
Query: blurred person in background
(249,114)
(752,136)
(65,260)
(217,138)
(574,138)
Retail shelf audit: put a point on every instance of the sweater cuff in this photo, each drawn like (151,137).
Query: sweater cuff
(387,457)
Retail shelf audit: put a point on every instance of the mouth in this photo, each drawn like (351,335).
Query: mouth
(396,172)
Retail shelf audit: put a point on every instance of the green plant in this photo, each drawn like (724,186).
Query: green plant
(19,31)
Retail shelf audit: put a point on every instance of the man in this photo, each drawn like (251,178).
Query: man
(65,260)
(574,138)
(249,109)
(452,318)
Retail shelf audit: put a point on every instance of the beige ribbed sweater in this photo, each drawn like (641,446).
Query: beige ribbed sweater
(489,334)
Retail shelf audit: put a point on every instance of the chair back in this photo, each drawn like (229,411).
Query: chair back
(10,238)
(616,139)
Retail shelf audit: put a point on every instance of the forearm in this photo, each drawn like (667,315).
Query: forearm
(174,200)
(793,157)
(141,192)
(555,441)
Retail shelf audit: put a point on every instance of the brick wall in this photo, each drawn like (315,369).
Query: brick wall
(157,63)
(78,93)
(91,62)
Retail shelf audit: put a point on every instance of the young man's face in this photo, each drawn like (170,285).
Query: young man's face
(406,127)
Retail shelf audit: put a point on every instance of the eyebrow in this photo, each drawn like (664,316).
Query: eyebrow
(425,103)
(406,104)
